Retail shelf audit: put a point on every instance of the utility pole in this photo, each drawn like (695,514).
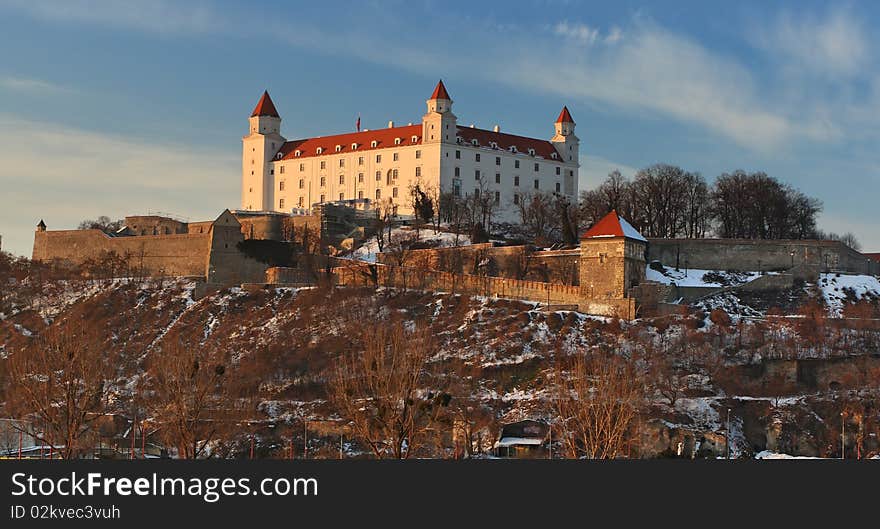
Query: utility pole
(727,434)
(842,436)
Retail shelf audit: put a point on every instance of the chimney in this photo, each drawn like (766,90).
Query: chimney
(390,124)
(472,125)
(497,128)
(409,124)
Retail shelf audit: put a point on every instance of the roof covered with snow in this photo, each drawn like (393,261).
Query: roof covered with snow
(613,225)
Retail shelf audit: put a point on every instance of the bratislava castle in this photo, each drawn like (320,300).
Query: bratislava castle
(383,164)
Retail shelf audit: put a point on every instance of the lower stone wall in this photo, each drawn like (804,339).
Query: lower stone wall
(354,273)
(746,254)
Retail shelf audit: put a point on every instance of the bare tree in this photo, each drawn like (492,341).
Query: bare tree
(382,390)
(102,223)
(58,388)
(597,400)
(189,396)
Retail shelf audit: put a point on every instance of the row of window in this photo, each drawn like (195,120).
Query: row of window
(395,156)
(354,146)
(323,198)
(392,176)
(477,158)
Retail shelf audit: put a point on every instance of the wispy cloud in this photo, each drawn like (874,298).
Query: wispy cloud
(833,43)
(65,174)
(584,34)
(23,84)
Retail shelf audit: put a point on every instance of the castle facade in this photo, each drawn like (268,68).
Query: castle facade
(381,166)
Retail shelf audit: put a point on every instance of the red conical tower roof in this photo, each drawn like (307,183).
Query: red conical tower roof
(440,92)
(613,225)
(564,116)
(265,107)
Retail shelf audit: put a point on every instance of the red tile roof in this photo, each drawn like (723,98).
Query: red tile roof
(440,92)
(612,225)
(504,141)
(265,107)
(384,139)
(874,256)
(564,116)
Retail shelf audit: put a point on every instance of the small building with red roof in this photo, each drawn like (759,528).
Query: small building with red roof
(612,259)
(380,165)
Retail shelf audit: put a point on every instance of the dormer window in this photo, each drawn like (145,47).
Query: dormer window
(397,141)
(278,156)
(414,139)
(531,152)
(339,148)
(513,148)
(493,145)
(320,150)
(354,146)
(553,155)
(458,139)
(297,153)
(475,142)
(374,143)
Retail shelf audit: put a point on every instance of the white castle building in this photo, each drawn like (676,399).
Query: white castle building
(383,164)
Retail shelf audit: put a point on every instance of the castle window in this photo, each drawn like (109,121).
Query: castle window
(457,171)
(414,139)
(360,195)
(341,179)
(497,197)
(323,181)
(323,164)
(456,187)
(477,157)
(302,183)
(553,155)
(281,204)
(378,176)
(418,153)
(378,158)
(394,174)
(497,178)
(281,185)
(341,196)
(497,160)
(537,167)
(602,257)
(323,199)
(354,146)
(516,198)
(513,148)
(516,164)
(302,167)
(339,148)
(475,142)
(394,156)
(297,153)
(558,170)
(476,174)
(558,187)
(458,155)
(281,169)
(397,141)
(374,143)
(394,192)
(378,194)
(516,181)
(360,178)
(531,152)
(300,201)
(418,171)
(342,162)
(319,150)
(537,184)
(360,160)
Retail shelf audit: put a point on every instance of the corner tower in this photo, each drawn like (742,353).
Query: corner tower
(612,259)
(439,124)
(565,141)
(259,148)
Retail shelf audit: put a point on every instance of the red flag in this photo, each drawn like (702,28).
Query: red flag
(359,123)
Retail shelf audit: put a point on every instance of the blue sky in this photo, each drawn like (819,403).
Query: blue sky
(128,107)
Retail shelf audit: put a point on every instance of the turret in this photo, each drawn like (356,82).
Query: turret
(439,124)
(565,140)
(259,149)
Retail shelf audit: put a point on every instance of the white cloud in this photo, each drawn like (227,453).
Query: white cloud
(833,45)
(23,84)
(578,32)
(64,175)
